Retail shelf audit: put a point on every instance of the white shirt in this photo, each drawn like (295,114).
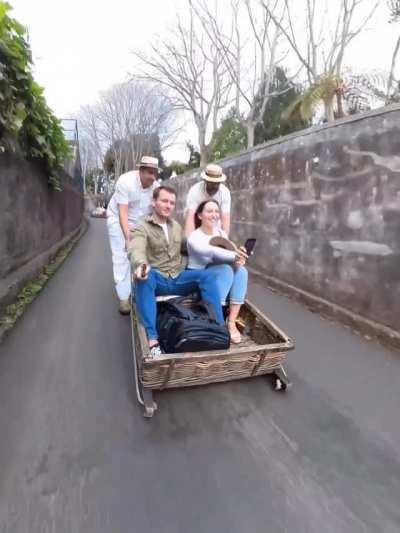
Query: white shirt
(129,191)
(197,194)
(201,253)
(165,228)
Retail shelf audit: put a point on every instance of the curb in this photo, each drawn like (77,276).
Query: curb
(360,325)
(35,271)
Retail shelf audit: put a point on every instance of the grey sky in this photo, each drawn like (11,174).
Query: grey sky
(81,47)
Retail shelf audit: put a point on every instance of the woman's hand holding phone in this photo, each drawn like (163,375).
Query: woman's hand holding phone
(249,246)
(241,256)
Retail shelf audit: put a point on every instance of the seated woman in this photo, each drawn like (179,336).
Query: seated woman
(231,281)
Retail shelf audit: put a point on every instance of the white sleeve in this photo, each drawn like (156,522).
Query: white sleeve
(226,201)
(121,192)
(192,200)
(212,253)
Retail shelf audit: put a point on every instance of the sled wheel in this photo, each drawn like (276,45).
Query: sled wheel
(281,380)
(149,410)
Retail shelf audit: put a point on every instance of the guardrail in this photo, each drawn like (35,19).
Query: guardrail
(73,167)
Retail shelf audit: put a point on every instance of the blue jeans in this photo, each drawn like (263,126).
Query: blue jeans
(231,281)
(187,282)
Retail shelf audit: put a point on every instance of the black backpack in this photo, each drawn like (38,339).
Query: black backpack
(187,326)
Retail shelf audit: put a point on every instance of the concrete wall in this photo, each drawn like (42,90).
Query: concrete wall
(324,205)
(32,217)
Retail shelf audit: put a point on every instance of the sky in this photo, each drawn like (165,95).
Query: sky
(82,47)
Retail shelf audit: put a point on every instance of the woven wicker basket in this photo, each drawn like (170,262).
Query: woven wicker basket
(262,350)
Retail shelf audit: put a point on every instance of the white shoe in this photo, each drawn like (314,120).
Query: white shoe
(155,351)
(124,307)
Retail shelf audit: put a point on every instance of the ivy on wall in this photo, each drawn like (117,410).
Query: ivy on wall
(26,120)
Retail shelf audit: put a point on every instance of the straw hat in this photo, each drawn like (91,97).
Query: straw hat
(221,242)
(213,173)
(149,162)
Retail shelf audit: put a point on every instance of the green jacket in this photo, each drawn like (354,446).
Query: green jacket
(149,245)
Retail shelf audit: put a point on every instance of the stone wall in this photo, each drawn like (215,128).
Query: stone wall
(33,218)
(324,205)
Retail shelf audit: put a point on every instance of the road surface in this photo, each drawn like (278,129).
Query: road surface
(77,456)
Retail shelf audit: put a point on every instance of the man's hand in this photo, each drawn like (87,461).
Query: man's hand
(142,272)
(189,223)
(123,220)
(226,222)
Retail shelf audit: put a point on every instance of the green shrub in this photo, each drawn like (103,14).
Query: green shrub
(25,118)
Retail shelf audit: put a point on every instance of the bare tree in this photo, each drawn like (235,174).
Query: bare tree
(379,87)
(129,120)
(129,115)
(391,78)
(249,46)
(190,66)
(394,6)
(89,142)
(323,49)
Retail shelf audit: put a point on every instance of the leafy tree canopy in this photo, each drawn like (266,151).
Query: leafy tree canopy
(25,119)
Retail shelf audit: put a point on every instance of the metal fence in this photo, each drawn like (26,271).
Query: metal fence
(73,167)
(70,128)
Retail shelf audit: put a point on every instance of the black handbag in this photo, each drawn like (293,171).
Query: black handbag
(189,327)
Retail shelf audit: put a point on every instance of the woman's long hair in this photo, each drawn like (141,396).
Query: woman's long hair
(200,209)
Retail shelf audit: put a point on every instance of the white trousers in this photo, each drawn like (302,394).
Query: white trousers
(121,264)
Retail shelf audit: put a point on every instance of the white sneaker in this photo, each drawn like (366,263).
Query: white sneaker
(155,351)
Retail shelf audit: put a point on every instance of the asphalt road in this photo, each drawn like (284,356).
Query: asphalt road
(76,455)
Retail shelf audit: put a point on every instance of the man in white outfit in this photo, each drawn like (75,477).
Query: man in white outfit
(210,188)
(130,203)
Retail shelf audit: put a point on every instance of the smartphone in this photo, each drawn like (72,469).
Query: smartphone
(249,245)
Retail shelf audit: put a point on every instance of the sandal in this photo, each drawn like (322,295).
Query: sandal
(236,337)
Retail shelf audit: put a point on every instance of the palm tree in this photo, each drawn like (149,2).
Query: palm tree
(394,8)
(326,90)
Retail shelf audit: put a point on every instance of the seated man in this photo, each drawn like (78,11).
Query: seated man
(155,254)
